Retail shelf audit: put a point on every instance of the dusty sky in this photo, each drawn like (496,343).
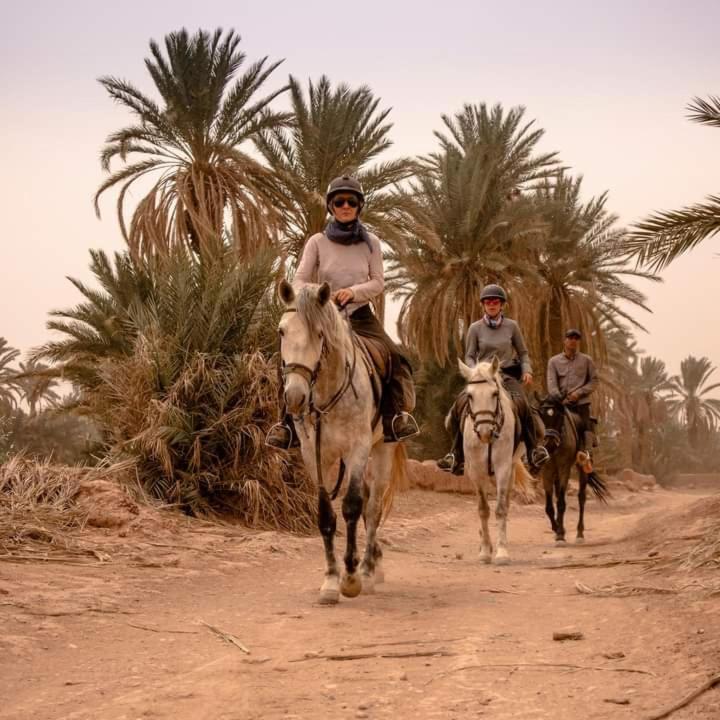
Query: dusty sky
(608,81)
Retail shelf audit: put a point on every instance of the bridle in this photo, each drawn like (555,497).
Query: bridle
(310,375)
(495,418)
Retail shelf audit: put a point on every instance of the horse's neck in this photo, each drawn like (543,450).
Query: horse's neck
(332,373)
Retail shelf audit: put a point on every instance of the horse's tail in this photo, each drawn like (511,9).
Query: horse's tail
(523,482)
(398,478)
(598,486)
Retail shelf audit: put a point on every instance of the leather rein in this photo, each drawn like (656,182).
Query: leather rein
(495,418)
(316,412)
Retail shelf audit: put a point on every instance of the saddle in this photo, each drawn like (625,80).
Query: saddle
(378,363)
(377,355)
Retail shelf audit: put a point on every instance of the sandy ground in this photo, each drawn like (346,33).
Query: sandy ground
(124,639)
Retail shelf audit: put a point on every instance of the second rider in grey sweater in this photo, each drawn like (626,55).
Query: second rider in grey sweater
(496,335)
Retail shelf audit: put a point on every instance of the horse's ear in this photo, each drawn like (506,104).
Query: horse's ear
(323,294)
(286,292)
(465,371)
(495,365)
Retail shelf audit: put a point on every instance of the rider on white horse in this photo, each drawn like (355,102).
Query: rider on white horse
(349,258)
(499,336)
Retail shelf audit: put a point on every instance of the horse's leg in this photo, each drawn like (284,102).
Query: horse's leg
(548,474)
(327,522)
(580,536)
(378,574)
(561,484)
(376,482)
(502,508)
(352,509)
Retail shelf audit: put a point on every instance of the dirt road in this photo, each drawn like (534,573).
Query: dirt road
(125,639)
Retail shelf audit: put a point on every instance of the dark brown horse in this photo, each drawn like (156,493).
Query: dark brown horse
(563,430)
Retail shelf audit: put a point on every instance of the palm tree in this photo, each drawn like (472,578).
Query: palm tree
(191,142)
(578,274)
(38,384)
(466,223)
(698,412)
(102,326)
(8,377)
(659,239)
(335,132)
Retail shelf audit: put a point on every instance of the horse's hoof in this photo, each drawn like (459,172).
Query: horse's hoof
(368,585)
(485,558)
(351,586)
(560,542)
(329,597)
(501,560)
(379,575)
(579,540)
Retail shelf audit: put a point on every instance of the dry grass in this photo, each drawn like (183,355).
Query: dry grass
(198,441)
(37,504)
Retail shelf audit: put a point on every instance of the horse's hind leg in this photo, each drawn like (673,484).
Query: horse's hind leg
(327,522)
(560,489)
(352,509)
(547,476)
(582,493)
(486,548)
(502,509)
(376,480)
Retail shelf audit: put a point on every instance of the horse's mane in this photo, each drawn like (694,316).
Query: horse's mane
(482,371)
(324,318)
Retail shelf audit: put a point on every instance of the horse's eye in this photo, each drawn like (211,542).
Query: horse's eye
(281,332)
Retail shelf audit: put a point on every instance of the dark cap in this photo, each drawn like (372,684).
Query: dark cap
(572,332)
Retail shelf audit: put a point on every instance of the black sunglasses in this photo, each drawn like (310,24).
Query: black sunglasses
(339,202)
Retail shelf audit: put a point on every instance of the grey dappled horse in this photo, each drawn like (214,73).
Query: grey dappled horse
(329,392)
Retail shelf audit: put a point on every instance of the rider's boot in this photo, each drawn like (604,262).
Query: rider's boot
(282,435)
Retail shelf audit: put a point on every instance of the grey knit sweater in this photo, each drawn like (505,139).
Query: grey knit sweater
(506,341)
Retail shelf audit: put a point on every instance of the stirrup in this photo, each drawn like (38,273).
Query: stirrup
(447,463)
(280,446)
(539,456)
(413,428)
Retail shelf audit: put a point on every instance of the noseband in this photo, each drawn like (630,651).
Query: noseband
(495,418)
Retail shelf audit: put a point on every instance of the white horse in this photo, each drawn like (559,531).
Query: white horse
(492,450)
(328,384)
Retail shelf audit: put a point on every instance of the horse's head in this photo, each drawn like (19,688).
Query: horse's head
(483,388)
(308,329)
(552,413)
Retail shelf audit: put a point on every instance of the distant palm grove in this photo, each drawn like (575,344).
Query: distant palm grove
(217,180)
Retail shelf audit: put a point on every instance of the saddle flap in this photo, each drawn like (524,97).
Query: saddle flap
(379,356)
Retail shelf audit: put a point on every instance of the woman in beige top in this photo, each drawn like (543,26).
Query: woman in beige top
(349,259)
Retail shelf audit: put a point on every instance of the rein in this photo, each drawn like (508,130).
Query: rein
(495,418)
(310,375)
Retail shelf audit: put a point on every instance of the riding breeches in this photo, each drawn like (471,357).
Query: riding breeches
(399,391)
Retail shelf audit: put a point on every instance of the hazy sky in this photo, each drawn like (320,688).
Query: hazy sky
(608,81)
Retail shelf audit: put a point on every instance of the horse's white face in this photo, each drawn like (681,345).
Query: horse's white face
(483,390)
(301,349)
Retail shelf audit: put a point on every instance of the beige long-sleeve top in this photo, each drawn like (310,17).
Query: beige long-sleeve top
(343,266)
